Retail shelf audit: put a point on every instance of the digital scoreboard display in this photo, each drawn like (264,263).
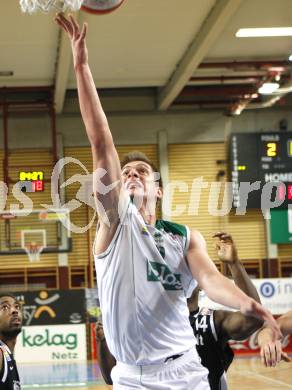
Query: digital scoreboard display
(264,158)
(31,181)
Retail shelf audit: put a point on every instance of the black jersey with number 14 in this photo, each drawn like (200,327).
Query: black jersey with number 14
(215,356)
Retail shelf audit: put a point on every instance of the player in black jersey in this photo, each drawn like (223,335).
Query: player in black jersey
(10,327)
(213,328)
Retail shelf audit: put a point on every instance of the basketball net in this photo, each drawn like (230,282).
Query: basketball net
(31,6)
(33,251)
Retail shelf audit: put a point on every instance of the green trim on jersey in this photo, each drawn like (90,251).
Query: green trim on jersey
(171,227)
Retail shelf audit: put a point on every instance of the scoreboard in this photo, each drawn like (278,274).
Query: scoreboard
(264,158)
(31,181)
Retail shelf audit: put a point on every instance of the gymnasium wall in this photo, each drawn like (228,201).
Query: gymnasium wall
(142,127)
(196,142)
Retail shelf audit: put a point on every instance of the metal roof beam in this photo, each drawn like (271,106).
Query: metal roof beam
(64,60)
(208,34)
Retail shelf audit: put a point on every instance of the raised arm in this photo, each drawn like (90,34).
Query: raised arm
(235,325)
(1,359)
(103,150)
(219,288)
(227,253)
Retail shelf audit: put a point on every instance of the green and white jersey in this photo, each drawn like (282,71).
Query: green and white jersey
(143,278)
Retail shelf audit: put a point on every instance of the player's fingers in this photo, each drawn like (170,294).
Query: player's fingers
(83,31)
(268,356)
(218,234)
(273,355)
(66,23)
(222,235)
(75,27)
(285,357)
(61,24)
(278,351)
(263,358)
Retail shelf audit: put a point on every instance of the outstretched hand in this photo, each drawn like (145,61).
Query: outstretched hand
(272,353)
(225,247)
(77,36)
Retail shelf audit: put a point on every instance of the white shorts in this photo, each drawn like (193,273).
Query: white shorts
(183,373)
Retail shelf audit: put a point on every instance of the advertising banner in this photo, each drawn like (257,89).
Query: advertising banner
(53,307)
(93,312)
(52,343)
(275,295)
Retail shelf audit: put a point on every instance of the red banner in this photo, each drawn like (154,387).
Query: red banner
(93,342)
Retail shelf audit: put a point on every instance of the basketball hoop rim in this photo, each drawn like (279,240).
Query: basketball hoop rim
(100,12)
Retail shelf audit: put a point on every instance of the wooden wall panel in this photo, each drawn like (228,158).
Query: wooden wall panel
(188,162)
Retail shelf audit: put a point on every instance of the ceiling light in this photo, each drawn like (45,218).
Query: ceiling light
(268,88)
(290,57)
(264,32)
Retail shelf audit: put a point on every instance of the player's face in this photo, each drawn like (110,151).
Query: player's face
(139,180)
(10,317)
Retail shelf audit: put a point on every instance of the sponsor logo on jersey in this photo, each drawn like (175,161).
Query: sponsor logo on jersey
(144,231)
(157,272)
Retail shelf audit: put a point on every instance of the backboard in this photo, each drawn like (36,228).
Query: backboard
(21,227)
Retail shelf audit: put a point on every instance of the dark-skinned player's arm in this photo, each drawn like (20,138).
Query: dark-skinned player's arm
(106,164)
(1,359)
(219,288)
(105,358)
(235,325)
(271,351)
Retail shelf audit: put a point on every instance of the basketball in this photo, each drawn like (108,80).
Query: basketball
(101,6)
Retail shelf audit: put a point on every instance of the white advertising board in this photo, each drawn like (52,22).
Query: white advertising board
(275,295)
(53,343)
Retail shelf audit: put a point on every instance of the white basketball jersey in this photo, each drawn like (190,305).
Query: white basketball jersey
(142,279)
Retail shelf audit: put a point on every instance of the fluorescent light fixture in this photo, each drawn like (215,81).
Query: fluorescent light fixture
(290,57)
(268,88)
(264,32)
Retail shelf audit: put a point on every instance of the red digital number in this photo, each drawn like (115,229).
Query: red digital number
(38,185)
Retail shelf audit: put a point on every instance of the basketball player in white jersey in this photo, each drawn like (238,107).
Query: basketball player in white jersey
(212,328)
(271,350)
(144,267)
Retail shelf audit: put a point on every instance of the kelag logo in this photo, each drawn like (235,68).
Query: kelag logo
(49,338)
(267,289)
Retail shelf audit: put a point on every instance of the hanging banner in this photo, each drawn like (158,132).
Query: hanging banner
(53,307)
(275,295)
(58,343)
